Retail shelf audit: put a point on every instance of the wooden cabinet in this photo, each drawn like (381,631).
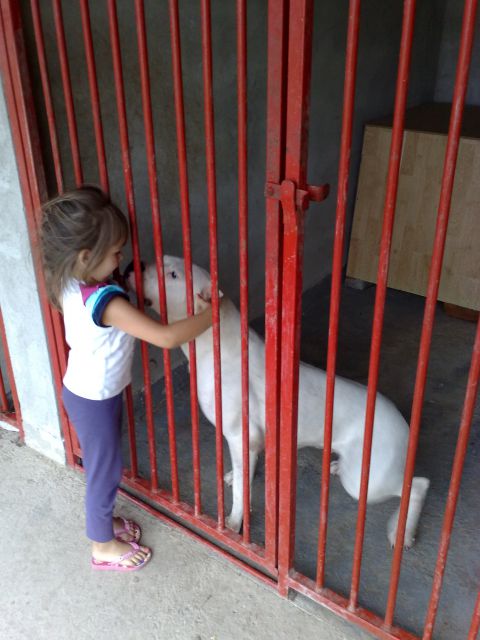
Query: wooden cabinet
(421,169)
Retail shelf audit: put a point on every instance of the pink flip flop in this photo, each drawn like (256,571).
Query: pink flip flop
(129,527)
(116,565)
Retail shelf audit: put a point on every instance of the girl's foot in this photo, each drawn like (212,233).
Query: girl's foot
(119,556)
(126,530)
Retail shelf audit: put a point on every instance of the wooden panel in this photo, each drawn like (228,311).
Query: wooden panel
(415,218)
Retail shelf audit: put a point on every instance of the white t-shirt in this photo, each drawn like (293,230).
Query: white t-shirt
(100,357)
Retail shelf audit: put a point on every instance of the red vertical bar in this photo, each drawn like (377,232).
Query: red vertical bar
(94,95)
(451,154)
(243,248)
(128,178)
(157,230)
(342,196)
(67,90)
(42,63)
(27,148)
(131,432)
(3,395)
(276,107)
(11,380)
(187,249)
(453,491)
(212,228)
(298,97)
(3,392)
(475,626)
(382,277)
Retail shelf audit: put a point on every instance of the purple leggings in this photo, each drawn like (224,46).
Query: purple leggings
(98,425)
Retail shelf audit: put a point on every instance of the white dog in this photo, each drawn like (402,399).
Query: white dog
(390,429)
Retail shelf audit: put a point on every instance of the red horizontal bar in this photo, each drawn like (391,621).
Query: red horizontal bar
(339,605)
(259,575)
(11,419)
(203,523)
(182,511)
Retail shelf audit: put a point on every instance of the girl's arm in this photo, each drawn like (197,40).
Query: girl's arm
(121,314)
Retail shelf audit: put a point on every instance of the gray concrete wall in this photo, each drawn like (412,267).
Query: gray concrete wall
(162,96)
(379,41)
(448,54)
(21,311)
(380,36)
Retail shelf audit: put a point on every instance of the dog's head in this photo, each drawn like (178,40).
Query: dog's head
(175,287)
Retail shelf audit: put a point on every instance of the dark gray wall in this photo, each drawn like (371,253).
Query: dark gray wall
(379,41)
(447,59)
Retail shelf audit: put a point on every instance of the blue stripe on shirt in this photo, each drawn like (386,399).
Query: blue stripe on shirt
(97,302)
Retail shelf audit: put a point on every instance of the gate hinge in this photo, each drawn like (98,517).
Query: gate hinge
(295,201)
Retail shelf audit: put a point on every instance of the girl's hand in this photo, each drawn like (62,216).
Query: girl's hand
(203,301)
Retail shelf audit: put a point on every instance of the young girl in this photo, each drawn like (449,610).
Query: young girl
(82,236)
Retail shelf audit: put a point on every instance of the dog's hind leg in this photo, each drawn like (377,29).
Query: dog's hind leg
(235,519)
(417,498)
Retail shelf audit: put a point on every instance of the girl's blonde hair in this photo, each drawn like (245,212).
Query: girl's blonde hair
(84,218)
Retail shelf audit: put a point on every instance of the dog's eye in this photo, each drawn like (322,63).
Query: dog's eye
(173,274)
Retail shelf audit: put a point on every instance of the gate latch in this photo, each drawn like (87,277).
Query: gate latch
(295,201)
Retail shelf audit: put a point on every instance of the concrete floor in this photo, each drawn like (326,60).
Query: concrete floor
(451,352)
(187,592)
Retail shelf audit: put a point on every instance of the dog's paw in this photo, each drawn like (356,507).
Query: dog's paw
(408,541)
(392,529)
(391,539)
(233,524)
(228,478)
(335,467)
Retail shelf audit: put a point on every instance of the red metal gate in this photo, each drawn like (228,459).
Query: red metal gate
(287,197)
(295,171)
